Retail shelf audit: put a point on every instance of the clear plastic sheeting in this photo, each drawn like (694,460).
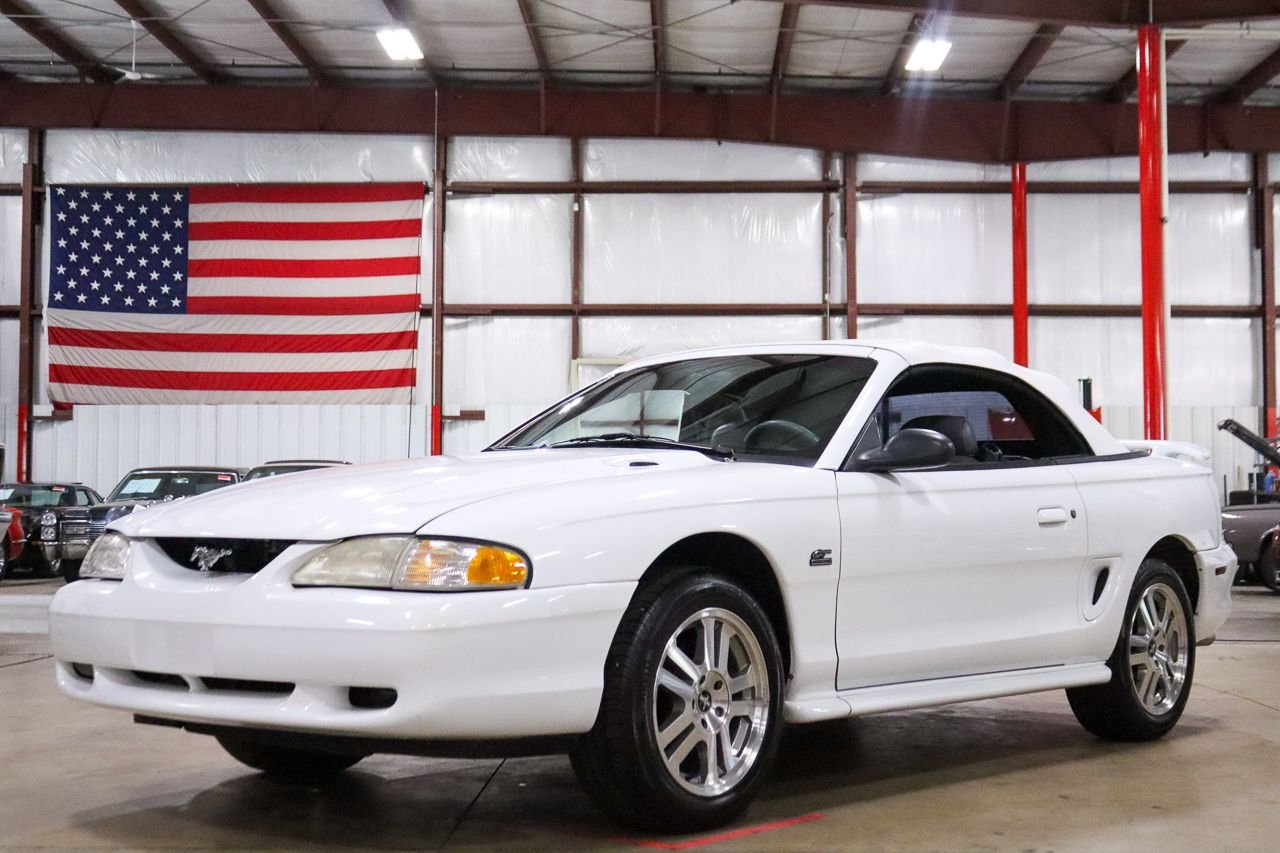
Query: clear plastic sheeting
(10,252)
(13,153)
(102,443)
(1106,349)
(500,158)
(696,160)
(1086,249)
(509,248)
(1213,361)
(637,337)
(510,367)
(110,156)
(935,248)
(1216,166)
(878,167)
(703,248)
(993,333)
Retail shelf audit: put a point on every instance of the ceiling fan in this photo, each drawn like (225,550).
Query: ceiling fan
(132,74)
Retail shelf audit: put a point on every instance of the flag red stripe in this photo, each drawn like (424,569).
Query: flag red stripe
(304,193)
(375,230)
(396,303)
(178,342)
(178,380)
(269,268)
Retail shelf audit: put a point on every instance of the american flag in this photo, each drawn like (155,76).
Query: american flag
(234,293)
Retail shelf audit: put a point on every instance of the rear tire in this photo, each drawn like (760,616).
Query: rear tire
(284,762)
(688,726)
(1152,664)
(4,558)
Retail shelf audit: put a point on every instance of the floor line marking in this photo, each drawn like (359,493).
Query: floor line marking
(723,836)
(34,659)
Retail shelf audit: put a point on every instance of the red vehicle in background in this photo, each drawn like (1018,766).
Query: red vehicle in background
(31,514)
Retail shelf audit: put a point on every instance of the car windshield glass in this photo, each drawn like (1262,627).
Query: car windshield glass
(159,485)
(778,407)
(21,494)
(274,470)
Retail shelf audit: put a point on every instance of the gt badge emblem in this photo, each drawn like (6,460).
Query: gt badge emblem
(820,557)
(205,557)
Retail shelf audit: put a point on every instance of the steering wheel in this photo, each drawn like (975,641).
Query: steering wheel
(794,431)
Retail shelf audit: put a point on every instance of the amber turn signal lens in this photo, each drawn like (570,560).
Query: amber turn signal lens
(496,567)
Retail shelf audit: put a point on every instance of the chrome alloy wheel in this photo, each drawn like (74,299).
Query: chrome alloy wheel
(711,702)
(1158,650)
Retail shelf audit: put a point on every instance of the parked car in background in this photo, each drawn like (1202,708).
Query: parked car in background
(1251,519)
(12,539)
(658,572)
(38,509)
(139,488)
(290,466)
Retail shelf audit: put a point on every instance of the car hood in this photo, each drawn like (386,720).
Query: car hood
(390,497)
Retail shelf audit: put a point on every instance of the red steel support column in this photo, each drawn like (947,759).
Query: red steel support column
(1151,189)
(437,296)
(1019,197)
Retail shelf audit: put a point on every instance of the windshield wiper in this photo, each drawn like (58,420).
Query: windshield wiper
(631,439)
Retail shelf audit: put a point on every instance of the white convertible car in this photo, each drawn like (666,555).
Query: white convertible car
(658,572)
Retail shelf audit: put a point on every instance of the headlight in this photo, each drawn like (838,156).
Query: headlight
(49,519)
(410,563)
(108,558)
(49,534)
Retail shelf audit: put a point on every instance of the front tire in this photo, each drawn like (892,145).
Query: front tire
(4,558)
(286,763)
(1151,666)
(69,569)
(1268,570)
(692,707)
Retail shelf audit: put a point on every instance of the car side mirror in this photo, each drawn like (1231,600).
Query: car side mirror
(908,450)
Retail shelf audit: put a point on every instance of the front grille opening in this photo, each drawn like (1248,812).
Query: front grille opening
(247,685)
(222,556)
(373,698)
(161,679)
(83,670)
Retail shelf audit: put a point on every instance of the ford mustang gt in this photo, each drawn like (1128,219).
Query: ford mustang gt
(658,572)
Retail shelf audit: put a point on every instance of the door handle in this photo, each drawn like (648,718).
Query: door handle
(1049,516)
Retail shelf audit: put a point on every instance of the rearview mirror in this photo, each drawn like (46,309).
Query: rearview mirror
(908,450)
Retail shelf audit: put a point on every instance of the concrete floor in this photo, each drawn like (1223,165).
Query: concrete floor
(1015,774)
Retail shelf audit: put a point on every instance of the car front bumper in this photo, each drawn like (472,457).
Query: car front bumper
(465,666)
(1217,568)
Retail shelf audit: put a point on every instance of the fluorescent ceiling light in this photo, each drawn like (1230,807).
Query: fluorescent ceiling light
(399,44)
(928,55)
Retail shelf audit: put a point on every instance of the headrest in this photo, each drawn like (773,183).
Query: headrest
(954,427)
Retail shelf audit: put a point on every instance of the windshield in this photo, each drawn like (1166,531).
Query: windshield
(21,494)
(777,407)
(274,470)
(159,485)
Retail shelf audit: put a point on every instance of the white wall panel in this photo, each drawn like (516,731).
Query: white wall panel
(505,158)
(1107,350)
(635,337)
(703,248)
(101,443)
(995,333)
(1083,249)
(9,438)
(10,249)
(511,367)
(508,248)
(1214,361)
(13,153)
(9,348)
(696,160)
(878,167)
(107,156)
(934,248)
(1217,166)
